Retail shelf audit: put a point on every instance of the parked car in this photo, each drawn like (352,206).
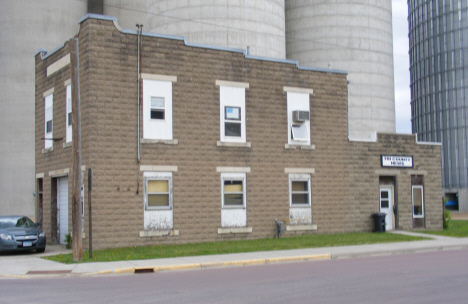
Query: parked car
(18,232)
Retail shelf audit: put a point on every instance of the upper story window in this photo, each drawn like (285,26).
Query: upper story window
(48,121)
(298,107)
(157,106)
(68,118)
(232,111)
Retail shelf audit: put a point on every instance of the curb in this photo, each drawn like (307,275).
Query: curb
(214,264)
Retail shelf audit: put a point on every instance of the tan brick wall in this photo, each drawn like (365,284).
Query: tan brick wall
(108,63)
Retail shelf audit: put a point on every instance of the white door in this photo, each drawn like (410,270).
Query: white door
(386,206)
(62,212)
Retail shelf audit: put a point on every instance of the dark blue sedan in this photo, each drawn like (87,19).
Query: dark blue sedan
(20,233)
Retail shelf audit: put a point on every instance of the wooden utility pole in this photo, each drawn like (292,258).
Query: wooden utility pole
(77,232)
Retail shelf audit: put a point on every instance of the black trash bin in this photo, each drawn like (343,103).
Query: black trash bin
(379,222)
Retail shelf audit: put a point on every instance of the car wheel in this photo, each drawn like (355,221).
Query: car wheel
(40,250)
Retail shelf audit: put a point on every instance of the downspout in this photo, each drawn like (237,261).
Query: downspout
(140,28)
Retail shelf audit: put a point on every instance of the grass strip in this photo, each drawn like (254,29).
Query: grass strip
(457,228)
(225,247)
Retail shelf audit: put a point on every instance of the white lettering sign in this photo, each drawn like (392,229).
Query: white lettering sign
(397,161)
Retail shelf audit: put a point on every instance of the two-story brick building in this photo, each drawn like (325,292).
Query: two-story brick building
(207,143)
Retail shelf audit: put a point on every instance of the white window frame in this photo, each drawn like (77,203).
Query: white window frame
(300,178)
(160,129)
(297,101)
(234,97)
(48,136)
(68,118)
(234,177)
(422,200)
(149,176)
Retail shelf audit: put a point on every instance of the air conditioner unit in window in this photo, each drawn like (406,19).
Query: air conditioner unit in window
(300,115)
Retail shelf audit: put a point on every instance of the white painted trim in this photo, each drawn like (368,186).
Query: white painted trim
(83,168)
(226,83)
(389,172)
(60,172)
(48,92)
(234,230)
(234,144)
(298,90)
(150,168)
(48,150)
(299,170)
(233,169)
(159,233)
(40,175)
(67,82)
(67,145)
(301,227)
(158,77)
(416,172)
(423,206)
(57,65)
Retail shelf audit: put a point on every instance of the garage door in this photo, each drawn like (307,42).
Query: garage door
(62,201)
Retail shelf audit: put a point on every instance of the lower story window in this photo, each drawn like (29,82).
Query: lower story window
(233,190)
(418,201)
(158,191)
(299,190)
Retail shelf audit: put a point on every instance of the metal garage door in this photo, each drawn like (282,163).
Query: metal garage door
(62,202)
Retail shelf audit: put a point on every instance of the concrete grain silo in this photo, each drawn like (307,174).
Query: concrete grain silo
(259,24)
(25,26)
(352,35)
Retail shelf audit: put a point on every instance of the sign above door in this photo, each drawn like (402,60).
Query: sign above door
(397,161)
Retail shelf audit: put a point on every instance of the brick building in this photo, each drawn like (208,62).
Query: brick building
(218,146)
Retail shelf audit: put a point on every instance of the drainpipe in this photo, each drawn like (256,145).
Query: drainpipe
(140,29)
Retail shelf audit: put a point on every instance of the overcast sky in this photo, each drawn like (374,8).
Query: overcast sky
(401,63)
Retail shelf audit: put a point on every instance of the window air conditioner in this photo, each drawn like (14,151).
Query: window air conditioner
(300,115)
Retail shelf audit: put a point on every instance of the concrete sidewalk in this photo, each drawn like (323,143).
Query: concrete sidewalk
(31,265)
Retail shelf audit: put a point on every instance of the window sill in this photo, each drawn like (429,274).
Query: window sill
(173,142)
(234,230)
(146,233)
(48,150)
(301,227)
(233,144)
(301,147)
(150,209)
(67,145)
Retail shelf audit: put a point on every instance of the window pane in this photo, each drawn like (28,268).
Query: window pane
(158,186)
(48,113)
(299,186)
(69,119)
(383,194)
(384,203)
(232,113)
(300,198)
(155,200)
(299,132)
(232,186)
(417,201)
(49,126)
(233,199)
(157,114)
(232,129)
(69,105)
(157,102)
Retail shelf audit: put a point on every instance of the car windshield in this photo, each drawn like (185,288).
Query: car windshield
(15,221)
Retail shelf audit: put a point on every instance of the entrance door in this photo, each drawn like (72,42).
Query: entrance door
(386,206)
(62,212)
